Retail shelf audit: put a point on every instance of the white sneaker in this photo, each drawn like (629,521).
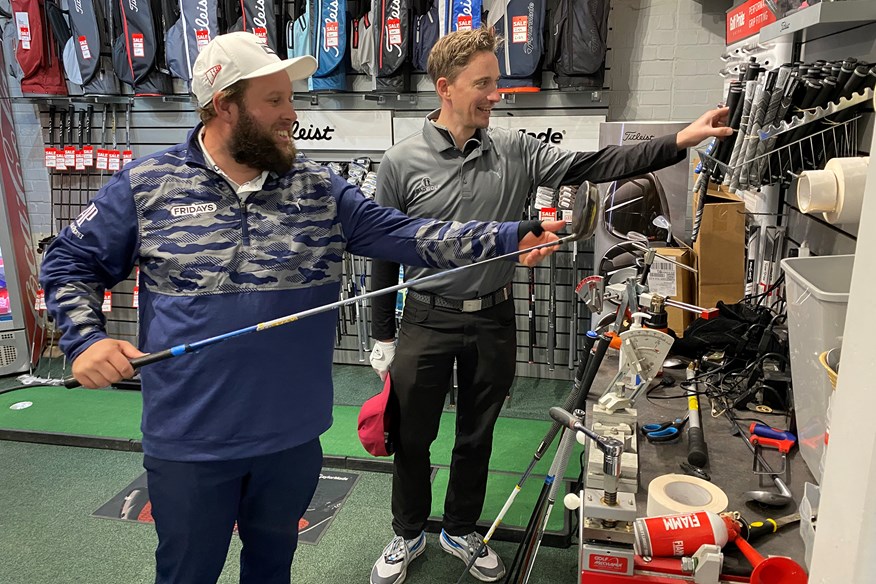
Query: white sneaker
(392,565)
(488,567)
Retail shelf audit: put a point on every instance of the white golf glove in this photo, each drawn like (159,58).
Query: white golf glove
(381,357)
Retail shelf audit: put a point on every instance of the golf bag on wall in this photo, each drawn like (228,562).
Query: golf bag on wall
(427,29)
(392,37)
(298,41)
(37,51)
(577,43)
(520,22)
(329,29)
(195,23)
(138,55)
(362,43)
(89,50)
(255,16)
(459,15)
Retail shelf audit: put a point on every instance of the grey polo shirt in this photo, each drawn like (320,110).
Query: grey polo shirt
(426,175)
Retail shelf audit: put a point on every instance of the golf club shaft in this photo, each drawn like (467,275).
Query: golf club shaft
(178,350)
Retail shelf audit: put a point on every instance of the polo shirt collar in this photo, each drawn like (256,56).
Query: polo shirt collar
(440,138)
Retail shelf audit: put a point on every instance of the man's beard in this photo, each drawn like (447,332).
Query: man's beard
(256,148)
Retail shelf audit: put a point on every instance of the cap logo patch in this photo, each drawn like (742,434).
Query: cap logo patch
(211,74)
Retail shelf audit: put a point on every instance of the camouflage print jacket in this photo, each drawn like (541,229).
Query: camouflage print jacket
(211,263)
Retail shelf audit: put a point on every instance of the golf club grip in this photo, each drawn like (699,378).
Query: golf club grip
(697,451)
(71,382)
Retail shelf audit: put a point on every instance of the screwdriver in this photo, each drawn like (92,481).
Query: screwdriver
(758,529)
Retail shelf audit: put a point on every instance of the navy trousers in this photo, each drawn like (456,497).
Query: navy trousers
(195,505)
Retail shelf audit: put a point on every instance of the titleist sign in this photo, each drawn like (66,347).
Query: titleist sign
(203,19)
(356,131)
(260,18)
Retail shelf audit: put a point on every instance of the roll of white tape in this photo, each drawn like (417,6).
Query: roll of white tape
(816,191)
(677,493)
(851,178)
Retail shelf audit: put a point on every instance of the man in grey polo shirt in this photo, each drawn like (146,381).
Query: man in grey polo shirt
(458,168)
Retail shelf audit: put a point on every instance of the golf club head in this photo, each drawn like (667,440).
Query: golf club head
(768,498)
(585,212)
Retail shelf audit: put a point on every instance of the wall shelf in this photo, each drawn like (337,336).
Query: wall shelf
(820,16)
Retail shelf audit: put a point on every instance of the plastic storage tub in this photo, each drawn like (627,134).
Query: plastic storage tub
(817,291)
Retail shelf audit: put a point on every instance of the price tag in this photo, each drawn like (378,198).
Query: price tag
(83,46)
(114,160)
(107,305)
(40,300)
(547,214)
(135,301)
(102,159)
(138,44)
(393,31)
(80,160)
(127,156)
(331,35)
(69,156)
(262,33)
(88,156)
(202,38)
(463,22)
(22,25)
(51,160)
(519,29)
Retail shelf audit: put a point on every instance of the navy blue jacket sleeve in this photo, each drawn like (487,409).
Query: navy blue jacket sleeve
(95,252)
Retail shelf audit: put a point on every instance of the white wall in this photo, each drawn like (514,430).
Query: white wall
(664,58)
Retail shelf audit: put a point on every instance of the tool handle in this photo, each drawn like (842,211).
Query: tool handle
(697,450)
(783,446)
(766,432)
(759,529)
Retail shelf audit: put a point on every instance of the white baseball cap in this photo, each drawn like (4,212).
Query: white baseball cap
(228,58)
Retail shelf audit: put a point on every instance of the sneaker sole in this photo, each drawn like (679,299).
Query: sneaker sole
(453,551)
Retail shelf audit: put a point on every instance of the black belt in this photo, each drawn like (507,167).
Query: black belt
(474,305)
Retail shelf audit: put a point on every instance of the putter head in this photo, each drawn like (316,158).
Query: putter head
(585,212)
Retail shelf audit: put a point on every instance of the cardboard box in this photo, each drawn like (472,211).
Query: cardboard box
(720,249)
(667,279)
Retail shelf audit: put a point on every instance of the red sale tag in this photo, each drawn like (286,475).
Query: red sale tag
(331,35)
(262,33)
(102,159)
(519,29)
(127,156)
(83,46)
(393,31)
(135,302)
(547,214)
(88,156)
(138,44)
(463,22)
(114,158)
(202,37)
(51,160)
(40,300)
(70,156)
(107,305)
(80,160)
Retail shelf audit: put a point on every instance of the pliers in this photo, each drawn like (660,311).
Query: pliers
(664,431)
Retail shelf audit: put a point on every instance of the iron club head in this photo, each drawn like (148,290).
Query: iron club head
(768,498)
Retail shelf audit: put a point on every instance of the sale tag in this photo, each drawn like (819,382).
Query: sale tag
(138,44)
(463,22)
(519,29)
(51,160)
(331,35)
(83,46)
(393,30)
(202,37)
(107,305)
(40,300)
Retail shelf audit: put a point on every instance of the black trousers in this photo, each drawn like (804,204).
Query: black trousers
(484,345)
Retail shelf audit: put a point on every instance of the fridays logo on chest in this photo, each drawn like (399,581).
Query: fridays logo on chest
(195,209)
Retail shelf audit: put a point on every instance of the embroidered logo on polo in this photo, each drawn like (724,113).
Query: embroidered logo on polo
(199,209)
(424,186)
